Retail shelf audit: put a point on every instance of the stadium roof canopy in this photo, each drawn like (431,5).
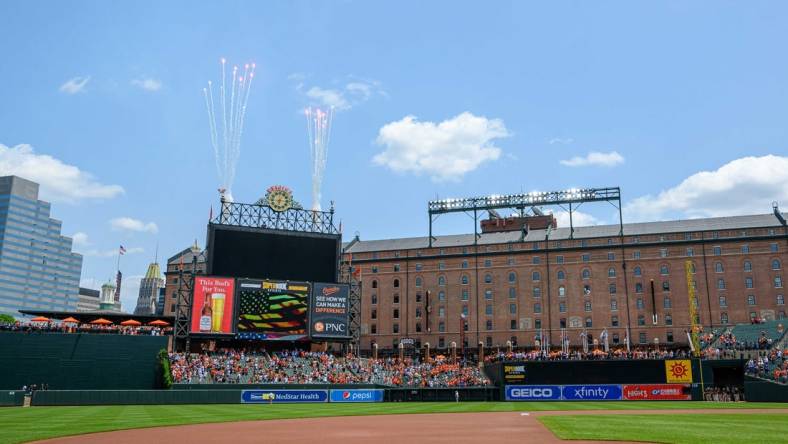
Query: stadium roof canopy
(563,233)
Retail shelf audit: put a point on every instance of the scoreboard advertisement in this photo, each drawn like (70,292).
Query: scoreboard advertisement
(272,310)
(329,316)
(212,305)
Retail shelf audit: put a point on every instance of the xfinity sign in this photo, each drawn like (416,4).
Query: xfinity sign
(592,392)
(533,392)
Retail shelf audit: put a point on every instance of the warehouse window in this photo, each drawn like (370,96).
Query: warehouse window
(718,268)
(512,277)
(663,269)
(464,264)
(613,304)
(418,282)
(723,301)
(561,275)
(611,272)
(775,264)
(586,273)
(723,318)
(748,282)
(614,323)
(374,284)
(638,271)
(488,278)
(536,276)
(589,323)
(464,279)
(488,309)
(512,293)
(442,281)
(537,308)
(612,288)
(587,305)
(747,266)
(441,295)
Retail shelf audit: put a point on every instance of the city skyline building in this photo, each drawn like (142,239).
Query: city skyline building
(38,269)
(149,290)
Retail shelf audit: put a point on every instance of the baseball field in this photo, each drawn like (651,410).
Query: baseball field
(643,421)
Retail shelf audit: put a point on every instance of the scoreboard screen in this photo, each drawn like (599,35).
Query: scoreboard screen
(272,310)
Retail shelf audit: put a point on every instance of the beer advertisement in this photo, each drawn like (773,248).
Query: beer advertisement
(212,309)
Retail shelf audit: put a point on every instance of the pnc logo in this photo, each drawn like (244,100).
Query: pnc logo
(320,327)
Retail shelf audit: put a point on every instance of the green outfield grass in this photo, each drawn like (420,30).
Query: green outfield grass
(694,428)
(19,424)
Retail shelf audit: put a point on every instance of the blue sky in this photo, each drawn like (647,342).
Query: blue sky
(101,102)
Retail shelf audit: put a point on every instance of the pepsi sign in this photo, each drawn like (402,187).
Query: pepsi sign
(533,392)
(357,395)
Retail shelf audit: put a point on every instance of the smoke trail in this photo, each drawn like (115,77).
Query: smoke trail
(227,153)
(318,134)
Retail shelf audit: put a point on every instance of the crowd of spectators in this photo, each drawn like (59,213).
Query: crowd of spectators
(773,366)
(52,327)
(577,355)
(302,367)
(724,394)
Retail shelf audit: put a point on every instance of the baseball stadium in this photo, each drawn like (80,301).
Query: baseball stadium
(522,331)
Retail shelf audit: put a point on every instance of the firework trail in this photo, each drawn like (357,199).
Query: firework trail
(227,149)
(318,125)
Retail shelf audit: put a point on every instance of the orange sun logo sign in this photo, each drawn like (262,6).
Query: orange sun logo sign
(678,370)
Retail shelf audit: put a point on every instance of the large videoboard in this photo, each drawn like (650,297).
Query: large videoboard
(272,310)
(270,254)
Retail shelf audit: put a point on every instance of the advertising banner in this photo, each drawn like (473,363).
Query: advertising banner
(514,373)
(606,392)
(212,305)
(533,393)
(357,395)
(678,370)
(282,396)
(272,310)
(329,316)
(658,392)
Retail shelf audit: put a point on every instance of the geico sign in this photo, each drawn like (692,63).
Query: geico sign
(544,392)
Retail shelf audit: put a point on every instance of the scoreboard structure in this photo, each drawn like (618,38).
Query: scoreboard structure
(272,274)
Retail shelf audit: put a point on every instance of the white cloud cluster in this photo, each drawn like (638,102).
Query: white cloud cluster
(445,151)
(595,158)
(352,93)
(112,252)
(579,219)
(147,84)
(74,85)
(131,224)
(80,239)
(743,186)
(59,181)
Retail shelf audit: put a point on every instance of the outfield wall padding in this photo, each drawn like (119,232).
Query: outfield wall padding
(756,390)
(131,397)
(12,398)
(79,361)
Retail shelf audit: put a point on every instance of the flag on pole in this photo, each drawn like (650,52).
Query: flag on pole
(122,250)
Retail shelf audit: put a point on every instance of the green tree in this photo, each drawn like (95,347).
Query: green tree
(6,319)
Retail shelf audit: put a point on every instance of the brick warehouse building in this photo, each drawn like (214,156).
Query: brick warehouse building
(509,286)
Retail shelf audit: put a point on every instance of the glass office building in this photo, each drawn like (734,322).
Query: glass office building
(38,270)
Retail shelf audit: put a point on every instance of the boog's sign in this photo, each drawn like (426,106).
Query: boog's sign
(329,311)
(533,392)
(661,392)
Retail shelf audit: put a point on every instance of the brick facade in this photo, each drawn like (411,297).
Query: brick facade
(510,289)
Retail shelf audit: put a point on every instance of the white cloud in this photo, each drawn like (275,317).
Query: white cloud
(595,158)
(579,219)
(444,151)
(354,92)
(130,224)
(80,239)
(328,97)
(560,141)
(59,182)
(148,84)
(74,85)
(743,186)
(113,252)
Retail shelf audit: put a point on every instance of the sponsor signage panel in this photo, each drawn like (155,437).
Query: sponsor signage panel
(658,392)
(212,306)
(329,311)
(533,392)
(678,370)
(605,392)
(357,395)
(282,396)
(272,310)
(514,373)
